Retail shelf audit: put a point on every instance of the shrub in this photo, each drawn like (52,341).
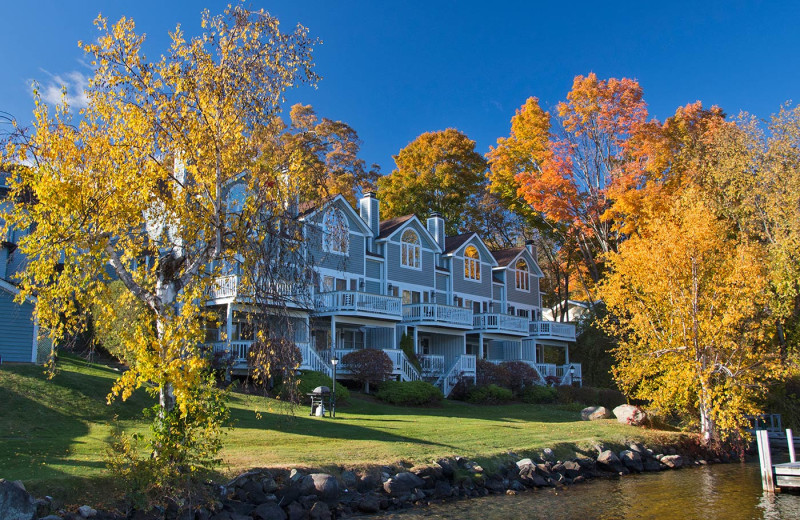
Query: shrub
(538,394)
(487,373)
(489,394)
(411,393)
(407,346)
(368,365)
(307,382)
(518,376)
(590,396)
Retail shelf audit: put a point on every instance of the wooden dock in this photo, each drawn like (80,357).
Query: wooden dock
(787,475)
(777,476)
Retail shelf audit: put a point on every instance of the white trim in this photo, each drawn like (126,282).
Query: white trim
(35,349)
(487,252)
(422,229)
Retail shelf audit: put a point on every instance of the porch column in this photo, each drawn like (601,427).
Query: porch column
(333,335)
(416,342)
(394,337)
(228,325)
(566,354)
(480,345)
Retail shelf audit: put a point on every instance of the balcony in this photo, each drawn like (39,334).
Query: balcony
(500,323)
(437,315)
(552,330)
(227,289)
(358,303)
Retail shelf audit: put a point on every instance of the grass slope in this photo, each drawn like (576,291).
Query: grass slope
(54,434)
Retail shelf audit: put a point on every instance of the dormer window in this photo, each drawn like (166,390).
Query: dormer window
(523,279)
(472,264)
(410,251)
(335,232)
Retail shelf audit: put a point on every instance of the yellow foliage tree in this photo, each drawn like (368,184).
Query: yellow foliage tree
(162,180)
(690,303)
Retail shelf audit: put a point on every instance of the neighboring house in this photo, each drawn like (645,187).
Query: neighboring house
(18,332)
(575,311)
(377,280)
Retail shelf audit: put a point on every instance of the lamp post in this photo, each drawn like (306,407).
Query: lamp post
(572,375)
(334,362)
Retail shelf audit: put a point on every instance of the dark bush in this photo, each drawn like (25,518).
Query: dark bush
(518,375)
(306,384)
(590,396)
(489,394)
(539,394)
(409,393)
(368,365)
(487,373)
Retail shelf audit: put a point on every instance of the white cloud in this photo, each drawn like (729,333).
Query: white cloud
(75,84)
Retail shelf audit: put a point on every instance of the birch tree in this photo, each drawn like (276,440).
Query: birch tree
(159,183)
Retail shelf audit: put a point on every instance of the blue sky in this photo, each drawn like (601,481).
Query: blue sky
(393,70)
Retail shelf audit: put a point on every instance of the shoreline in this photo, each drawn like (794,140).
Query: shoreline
(282,493)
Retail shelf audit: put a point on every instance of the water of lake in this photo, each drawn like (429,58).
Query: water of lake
(725,491)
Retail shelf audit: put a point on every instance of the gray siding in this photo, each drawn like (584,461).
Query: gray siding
(496,290)
(515,296)
(379,337)
(397,273)
(441,282)
(373,287)
(460,285)
(373,269)
(16,329)
(352,263)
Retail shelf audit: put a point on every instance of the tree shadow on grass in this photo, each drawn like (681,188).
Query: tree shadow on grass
(323,428)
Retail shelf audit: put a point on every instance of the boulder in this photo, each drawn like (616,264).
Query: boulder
(320,511)
(295,511)
(531,478)
(325,486)
(571,469)
(595,413)
(402,484)
(632,460)
(548,455)
(349,479)
(15,502)
(629,414)
(608,461)
(369,504)
(87,512)
(524,462)
(672,461)
(268,511)
(651,464)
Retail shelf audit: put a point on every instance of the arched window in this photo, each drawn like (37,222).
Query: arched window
(523,276)
(472,264)
(335,232)
(410,251)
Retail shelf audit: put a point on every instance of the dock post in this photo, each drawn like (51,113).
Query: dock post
(765,459)
(790,442)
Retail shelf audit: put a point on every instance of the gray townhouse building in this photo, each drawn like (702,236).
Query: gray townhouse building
(376,280)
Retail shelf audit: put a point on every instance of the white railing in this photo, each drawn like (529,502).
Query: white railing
(432,365)
(225,287)
(357,301)
(552,329)
(463,367)
(434,312)
(402,365)
(239,349)
(569,373)
(289,292)
(313,361)
(546,369)
(500,322)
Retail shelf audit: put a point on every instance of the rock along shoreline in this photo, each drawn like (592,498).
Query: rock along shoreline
(283,494)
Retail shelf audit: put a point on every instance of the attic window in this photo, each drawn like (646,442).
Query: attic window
(335,232)
(472,264)
(523,279)
(410,250)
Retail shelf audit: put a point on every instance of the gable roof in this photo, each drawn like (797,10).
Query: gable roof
(308,209)
(452,244)
(388,227)
(455,243)
(508,257)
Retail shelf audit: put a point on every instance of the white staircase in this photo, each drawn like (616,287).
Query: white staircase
(464,367)
(402,365)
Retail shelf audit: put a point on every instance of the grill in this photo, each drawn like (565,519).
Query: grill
(320,401)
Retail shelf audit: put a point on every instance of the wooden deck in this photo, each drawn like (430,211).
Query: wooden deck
(787,475)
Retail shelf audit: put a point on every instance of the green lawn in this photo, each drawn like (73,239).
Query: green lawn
(54,433)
